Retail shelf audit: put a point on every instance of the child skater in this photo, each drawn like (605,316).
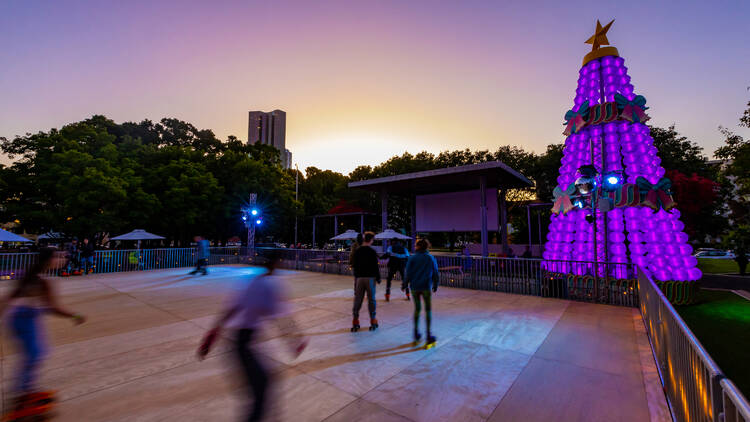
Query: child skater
(422,275)
(33,296)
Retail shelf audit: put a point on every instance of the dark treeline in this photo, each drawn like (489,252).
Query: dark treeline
(97,177)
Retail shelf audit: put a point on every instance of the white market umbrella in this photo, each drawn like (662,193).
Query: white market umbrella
(6,236)
(347,235)
(137,234)
(391,234)
(50,235)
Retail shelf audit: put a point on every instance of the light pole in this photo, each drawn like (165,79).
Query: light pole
(296,198)
(250,220)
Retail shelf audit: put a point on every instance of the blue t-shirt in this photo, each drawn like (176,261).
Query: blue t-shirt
(422,271)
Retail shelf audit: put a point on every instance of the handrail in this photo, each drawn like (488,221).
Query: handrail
(694,385)
(574,280)
(735,405)
(14,265)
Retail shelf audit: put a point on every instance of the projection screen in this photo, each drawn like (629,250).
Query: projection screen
(455,211)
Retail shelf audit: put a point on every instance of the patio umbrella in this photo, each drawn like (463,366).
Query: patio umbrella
(391,234)
(347,235)
(6,236)
(50,235)
(137,234)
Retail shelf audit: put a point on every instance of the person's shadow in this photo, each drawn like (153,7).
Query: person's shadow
(318,364)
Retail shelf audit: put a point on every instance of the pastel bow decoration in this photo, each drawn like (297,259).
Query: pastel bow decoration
(626,196)
(575,120)
(634,110)
(656,195)
(563,203)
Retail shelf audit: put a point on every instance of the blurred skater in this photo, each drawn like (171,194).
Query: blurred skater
(397,256)
(423,277)
(261,299)
(33,296)
(366,274)
(202,255)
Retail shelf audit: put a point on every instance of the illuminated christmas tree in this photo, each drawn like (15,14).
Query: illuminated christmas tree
(612,202)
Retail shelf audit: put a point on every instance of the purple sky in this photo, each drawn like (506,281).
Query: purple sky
(362,81)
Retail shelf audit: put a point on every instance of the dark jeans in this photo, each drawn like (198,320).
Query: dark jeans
(392,271)
(200,266)
(87,262)
(256,377)
(426,296)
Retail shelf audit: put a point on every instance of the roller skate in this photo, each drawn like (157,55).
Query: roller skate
(355,325)
(373,324)
(430,342)
(32,407)
(417,337)
(387,297)
(408,297)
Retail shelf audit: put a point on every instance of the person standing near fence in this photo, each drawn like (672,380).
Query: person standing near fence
(87,256)
(33,296)
(261,299)
(397,256)
(422,276)
(202,254)
(71,258)
(366,274)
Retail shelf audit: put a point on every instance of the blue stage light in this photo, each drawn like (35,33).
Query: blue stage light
(254,211)
(578,203)
(244,218)
(258,221)
(613,180)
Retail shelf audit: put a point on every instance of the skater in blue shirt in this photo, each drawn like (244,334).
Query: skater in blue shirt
(422,276)
(202,253)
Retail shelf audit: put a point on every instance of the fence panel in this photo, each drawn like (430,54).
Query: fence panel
(695,387)
(735,407)
(14,265)
(563,279)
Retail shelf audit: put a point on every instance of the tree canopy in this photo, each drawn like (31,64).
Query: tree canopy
(96,177)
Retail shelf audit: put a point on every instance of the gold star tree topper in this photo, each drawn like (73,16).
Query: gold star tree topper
(597,40)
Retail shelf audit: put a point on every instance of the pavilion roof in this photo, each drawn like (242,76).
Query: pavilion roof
(449,179)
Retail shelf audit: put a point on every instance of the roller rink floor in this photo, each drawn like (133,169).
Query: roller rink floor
(499,357)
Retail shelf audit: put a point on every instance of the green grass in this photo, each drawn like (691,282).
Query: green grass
(718,266)
(721,321)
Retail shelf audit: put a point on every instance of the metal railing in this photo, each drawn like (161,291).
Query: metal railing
(512,275)
(695,387)
(14,265)
(735,406)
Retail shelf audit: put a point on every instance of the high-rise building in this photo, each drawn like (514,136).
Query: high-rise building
(270,129)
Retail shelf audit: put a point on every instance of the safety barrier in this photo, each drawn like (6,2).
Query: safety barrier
(735,406)
(695,387)
(14,265)
(512,275)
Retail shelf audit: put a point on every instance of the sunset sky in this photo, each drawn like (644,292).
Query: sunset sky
(362,81)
